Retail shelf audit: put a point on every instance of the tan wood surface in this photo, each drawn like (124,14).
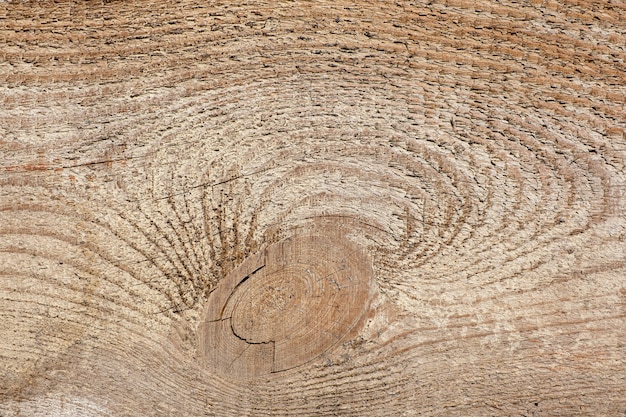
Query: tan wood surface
(312,208)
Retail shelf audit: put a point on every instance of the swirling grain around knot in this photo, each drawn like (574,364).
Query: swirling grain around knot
(184,189)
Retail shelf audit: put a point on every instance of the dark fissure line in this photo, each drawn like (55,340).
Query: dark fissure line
(213,184)
(237,286)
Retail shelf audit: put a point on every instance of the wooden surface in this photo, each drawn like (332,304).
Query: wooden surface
(312,208)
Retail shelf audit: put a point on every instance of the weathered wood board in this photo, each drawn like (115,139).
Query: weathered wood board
(312,208)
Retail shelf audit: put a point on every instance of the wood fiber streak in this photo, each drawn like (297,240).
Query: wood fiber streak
(312,209)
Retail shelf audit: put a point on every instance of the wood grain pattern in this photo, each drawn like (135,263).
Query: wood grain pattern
(465,159)
(281,309)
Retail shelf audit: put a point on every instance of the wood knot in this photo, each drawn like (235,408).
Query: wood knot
(285,306)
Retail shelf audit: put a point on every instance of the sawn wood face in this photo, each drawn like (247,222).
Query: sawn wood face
(312,208)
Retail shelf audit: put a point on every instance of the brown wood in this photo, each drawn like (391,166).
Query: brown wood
(282,309)
(312,208)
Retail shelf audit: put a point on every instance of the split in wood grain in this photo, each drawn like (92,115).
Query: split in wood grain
(285,306)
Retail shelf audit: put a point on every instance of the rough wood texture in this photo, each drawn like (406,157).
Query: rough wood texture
(302,297)
(463,162)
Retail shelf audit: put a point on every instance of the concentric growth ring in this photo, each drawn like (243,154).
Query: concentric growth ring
(285,306)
